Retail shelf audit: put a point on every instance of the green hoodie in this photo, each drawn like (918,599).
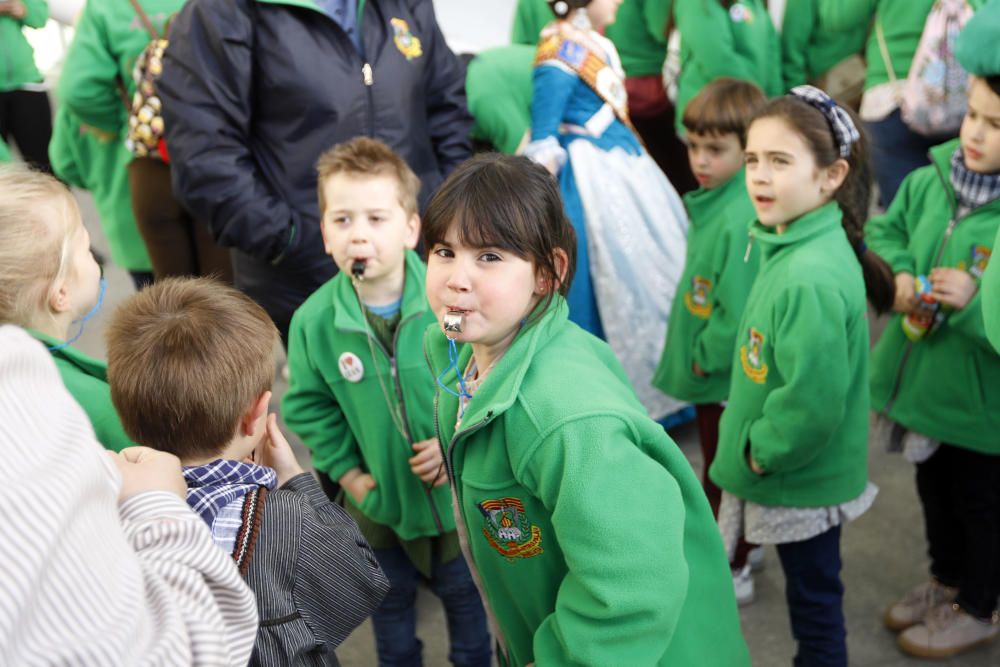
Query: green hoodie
(739,42)
(97,161)
(809,48)
(947,385)
(86,379)
(590,533)
(637,33)
(17,58)
(718,273)
(798,401)
(109,37)
(342,415)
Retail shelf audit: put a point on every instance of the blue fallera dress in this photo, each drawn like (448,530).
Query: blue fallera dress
(630,223)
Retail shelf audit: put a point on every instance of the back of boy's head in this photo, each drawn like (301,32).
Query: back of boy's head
(187,358)
(364,156)
(38,221)
(509,203)
(854,194)
(724,106)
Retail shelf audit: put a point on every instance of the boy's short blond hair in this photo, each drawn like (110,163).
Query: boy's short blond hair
(724,105)
(363,156)
(187,358)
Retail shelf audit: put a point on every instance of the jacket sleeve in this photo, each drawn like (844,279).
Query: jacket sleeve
(990,291)
(207,92)
(88,83)
(655,14)
(971,321)
(65,131)
(796,30)
(312,412)
(888,235)
(845,15)
(530,17)
(799,417)
(698,19)
(605,582)
(552,85)
(338,582)
(36,13)
(713,348)
(448,117)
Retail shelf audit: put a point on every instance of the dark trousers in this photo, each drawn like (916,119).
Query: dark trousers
(178,244)
(26,117)
(815,597)
(960,493)
(896,151)
(395,622)
(666,149)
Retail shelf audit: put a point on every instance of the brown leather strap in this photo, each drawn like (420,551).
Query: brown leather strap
(246,539)
(144,17)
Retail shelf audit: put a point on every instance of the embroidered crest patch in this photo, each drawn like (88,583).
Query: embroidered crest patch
(750,356)
(980,257)
(572,53)
(508,530)
(351,367)
(407,43)
(698,299)
(739,13)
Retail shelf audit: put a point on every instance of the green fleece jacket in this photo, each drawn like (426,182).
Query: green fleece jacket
(947,385)
(97,161)
(809,48)
(718,273)
(637,33)
(586,525)
(991,300)
(86,379)
(798,402)
(902,24)
(740,42)
(498,88)
(109,37)
(337,403)
(17,58)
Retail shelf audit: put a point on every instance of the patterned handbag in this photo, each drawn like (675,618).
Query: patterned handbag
(144,137)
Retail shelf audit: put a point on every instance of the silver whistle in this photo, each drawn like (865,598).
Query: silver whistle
(453,322)
(358,269)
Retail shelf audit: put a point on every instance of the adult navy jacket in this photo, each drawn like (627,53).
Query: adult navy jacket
(254,91)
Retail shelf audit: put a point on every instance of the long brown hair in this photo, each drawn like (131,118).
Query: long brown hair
(854,195)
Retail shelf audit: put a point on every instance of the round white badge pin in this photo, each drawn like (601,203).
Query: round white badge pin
(351,367)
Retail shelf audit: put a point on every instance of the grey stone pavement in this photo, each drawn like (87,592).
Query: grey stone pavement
(883,551)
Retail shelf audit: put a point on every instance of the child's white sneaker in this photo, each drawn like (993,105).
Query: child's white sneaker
(756,559)
(743,585)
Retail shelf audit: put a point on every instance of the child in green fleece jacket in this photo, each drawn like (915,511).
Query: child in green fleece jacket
(793,439)
(360,399)
(718,272)
(591,537)
(935,374)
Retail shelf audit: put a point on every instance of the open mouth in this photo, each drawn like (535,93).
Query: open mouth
(761,200)
(702,178)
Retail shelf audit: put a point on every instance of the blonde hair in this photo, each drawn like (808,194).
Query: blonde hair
(186,358)
(39,220)
(368,157)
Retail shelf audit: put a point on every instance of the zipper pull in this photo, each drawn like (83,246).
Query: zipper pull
(366,74)
(746,255)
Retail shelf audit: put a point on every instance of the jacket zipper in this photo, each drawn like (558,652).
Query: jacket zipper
(746,255)
(368,78)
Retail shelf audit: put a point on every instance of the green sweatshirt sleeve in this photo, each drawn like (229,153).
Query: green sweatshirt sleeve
(656,13)
(713,348)
(704,25)
(313,413)
(888,235)
(36,13)
(88,81)
(845,15)
(990,291)
(971,322)
(604,587)
(530,17)
(799,417)
(61,153)
(796,31)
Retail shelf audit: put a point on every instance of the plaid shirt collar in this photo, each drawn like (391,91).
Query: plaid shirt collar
(214,485)
(972,189)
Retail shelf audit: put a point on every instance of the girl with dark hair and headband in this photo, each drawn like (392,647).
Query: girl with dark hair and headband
(630,224)
(935,376)
(793,441)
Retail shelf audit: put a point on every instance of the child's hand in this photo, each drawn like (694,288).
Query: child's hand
(144,469)
(427,464)
(357,483)
(906,294)
(14,8)
(952,287)
(275,452)
(696,369)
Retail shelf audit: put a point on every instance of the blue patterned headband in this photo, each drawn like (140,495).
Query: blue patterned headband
(844,130)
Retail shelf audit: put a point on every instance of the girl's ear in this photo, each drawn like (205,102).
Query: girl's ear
(835,176)
(59,301)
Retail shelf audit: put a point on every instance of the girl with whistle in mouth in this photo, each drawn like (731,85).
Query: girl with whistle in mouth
(591,537)
(793,441)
